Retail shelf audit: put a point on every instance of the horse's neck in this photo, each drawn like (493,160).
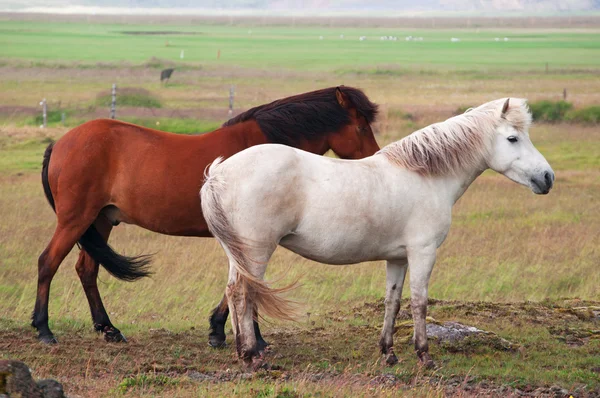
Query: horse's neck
(457,184)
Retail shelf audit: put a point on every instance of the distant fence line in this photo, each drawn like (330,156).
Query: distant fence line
(113,106)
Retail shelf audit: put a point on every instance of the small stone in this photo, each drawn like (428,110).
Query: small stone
(197,376)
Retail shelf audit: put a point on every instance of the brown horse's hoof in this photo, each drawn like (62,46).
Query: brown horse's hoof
(114,336)
(391,359)
(47,339)
(216,341)
(262,346)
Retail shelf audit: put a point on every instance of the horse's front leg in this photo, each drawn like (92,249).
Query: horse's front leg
(396,270)
(420,260)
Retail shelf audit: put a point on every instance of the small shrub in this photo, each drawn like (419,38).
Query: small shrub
(550,111)
(137,97)
(51,117)
(158,63)
(589,115)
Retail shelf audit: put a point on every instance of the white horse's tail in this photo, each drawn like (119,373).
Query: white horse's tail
(268,300)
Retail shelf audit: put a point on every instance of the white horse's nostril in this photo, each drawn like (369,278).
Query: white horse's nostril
(549,179)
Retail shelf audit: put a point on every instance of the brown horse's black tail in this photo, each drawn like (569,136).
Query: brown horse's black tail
(121,267)
(45,183)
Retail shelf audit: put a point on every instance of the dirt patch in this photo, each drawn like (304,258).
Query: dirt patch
(19,111)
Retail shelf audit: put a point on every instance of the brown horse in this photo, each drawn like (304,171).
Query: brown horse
(105,172)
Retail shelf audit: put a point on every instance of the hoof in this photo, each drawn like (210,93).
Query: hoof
(262,345)
(391,359)
(114,336)
(426,361)
(216,341)
(47,339)
(257,363)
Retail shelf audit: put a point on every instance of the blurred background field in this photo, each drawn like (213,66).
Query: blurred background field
(505,244)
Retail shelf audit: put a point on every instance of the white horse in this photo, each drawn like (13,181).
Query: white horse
(395,205)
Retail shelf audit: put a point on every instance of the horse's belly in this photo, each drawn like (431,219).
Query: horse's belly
(342,251)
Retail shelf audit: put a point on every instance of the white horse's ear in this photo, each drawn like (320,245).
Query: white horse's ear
(505,107)
(341,98)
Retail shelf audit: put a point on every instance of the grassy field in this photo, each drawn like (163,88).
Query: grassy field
(298,48)
(521,266)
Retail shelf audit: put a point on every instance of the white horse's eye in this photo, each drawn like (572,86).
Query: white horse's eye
(512,138)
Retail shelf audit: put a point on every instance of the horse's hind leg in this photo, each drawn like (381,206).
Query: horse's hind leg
(242,307)
(218,318)
(87,269)
(396,270)
(60,245)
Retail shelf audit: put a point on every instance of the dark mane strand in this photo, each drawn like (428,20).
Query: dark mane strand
(307,116)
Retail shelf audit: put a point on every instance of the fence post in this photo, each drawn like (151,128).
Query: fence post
(564,94)
(44,113)
(113,105)
(231,95)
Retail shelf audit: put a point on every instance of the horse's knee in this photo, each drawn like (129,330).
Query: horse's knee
(87,269)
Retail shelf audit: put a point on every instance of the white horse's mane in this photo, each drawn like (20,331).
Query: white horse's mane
(458,143)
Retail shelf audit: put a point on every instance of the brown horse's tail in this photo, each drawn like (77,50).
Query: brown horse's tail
(268,300)
(45,183)
(122,267)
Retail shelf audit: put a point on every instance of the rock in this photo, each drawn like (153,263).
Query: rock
(458,337)
(51,388)
(451,331)
(16,380)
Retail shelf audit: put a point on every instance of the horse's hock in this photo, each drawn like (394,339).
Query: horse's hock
(16,382)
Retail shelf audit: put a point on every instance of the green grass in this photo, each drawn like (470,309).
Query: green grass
(298,48)
(22,156)
(175,125)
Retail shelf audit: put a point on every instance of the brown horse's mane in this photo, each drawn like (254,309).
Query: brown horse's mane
(307,116)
